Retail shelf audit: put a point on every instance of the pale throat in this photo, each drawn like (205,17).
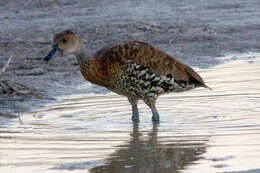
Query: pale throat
(82,55)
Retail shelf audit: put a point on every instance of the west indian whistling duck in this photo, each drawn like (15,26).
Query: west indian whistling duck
(135,69)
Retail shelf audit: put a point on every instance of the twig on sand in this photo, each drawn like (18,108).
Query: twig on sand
(8,115)
(11,87)
(3,70)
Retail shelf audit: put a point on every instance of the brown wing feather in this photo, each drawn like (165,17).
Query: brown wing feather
(157,61)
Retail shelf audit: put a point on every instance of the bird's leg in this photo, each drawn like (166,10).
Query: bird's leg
(155,117)
(151,104)
(135,112)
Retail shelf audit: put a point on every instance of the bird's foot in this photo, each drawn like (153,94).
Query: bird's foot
(156,119)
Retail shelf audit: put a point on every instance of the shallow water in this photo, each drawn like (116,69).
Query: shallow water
(200,131)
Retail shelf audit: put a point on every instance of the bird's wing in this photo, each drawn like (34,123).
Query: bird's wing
(146,55)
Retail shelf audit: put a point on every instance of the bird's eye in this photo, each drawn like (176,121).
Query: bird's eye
(64,40)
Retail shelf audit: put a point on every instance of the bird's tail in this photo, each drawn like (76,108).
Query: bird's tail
(205,86)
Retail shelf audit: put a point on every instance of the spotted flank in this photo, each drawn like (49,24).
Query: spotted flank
(145,83)
(135,69)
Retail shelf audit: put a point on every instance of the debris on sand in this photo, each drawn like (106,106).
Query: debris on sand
(14,88)
(14,91)
(8,115)
(5,67)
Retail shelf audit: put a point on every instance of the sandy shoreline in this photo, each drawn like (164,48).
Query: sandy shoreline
(67,131)
(196,33)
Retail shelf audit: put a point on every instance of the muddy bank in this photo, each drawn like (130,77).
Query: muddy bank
(194,32)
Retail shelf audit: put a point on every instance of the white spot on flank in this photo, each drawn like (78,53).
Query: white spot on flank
(152,75)
(142,73)
(157,78)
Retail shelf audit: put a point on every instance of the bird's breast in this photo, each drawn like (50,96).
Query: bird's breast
(95,72)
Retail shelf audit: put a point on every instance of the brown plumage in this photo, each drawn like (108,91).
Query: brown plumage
(146,55)
(135,69)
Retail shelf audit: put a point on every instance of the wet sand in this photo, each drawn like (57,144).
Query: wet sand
(200,131)
(196,33)
(79,127)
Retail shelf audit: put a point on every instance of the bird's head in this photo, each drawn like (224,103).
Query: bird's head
(65,42)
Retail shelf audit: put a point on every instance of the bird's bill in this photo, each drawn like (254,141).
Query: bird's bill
(52,53)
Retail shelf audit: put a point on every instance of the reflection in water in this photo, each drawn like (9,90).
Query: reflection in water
(147,155)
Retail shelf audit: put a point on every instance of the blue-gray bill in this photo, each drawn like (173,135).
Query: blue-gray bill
(52,53)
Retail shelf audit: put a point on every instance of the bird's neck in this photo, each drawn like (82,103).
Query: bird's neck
(89,67)
(83,55)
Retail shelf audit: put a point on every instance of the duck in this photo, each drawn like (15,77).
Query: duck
(134,69)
